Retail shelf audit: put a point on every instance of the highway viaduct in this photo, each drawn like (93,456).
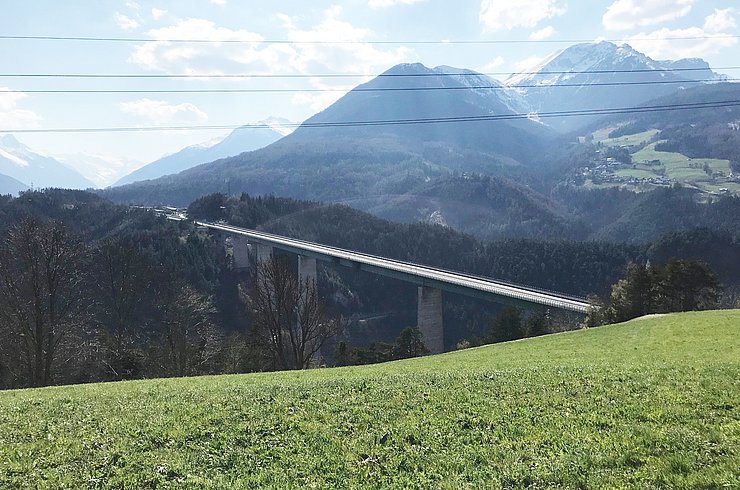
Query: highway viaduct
(431,281)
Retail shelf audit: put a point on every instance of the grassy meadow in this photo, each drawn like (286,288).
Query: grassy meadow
(652,403)
(602,136)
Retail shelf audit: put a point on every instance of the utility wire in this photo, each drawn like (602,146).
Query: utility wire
(287,41)
(351,75)
(358,89)
(404,122)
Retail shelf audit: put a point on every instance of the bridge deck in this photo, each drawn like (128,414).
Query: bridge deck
(421,275)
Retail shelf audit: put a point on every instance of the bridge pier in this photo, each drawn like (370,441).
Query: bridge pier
(262,253)
(429,319)
(306,269)
(240,253)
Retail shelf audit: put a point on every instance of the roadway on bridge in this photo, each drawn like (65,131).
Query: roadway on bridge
(418,274)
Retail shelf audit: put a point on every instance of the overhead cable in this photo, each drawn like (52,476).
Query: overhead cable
(358,89)
(340,42)
(403,122)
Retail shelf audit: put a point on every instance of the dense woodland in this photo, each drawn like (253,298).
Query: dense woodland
(146,297)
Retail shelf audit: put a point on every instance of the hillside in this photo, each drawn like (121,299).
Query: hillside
(603,75)
(9,185)
(698,148)
(331,157)
(36,169)
(649,403)
(487,207)
(245,138)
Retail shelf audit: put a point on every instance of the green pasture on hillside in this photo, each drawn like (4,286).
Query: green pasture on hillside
(652,403)
(680,166)
(602,136)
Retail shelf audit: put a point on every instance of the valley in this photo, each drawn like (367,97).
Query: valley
(370,244)
(647,168)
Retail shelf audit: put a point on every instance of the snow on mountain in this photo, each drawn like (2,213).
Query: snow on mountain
(31,167)
(601,76)
(246,138)
(13,159)
(102,170)
(571,63)
(494,88)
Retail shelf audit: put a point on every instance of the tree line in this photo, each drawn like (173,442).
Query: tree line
(93,291)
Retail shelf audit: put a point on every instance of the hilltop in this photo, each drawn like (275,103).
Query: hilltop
(648,403)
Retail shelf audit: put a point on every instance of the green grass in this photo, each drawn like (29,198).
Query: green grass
(635,172)
(681,167)
(602,136)
(653,403)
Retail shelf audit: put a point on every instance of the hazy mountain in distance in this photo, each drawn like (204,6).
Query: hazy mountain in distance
(245,138)
(8,185)
(602,75)
(404,127)
(102,170)
(412,92)
(35,169)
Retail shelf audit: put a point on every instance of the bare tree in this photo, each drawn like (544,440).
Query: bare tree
(41,293)
(287,315)
(191,339)
(124,281)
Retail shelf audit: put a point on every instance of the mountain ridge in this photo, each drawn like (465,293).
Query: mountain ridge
(36,169)
(245,138)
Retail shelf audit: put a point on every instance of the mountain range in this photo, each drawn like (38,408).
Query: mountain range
(602,75)
(34,169)
(414,124)
(245,138)
(8,185)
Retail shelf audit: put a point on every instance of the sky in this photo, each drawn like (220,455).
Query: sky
(279,37)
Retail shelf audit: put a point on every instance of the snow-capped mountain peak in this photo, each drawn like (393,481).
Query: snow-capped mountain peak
(245,138)
(281,126)
(601,75)
(32,167)
(13,159)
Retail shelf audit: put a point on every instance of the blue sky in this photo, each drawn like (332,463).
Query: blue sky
(643,23)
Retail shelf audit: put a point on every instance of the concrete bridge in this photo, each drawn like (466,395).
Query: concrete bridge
(431,281)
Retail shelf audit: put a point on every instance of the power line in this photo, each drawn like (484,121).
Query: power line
(287,41)
(351,75)
(358,89)
(404,122)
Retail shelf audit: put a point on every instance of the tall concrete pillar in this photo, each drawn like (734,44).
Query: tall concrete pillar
(240,253)
(262,253)
(429,319)
(306,269)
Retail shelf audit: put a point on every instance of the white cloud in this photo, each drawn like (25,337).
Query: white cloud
(343,47)
(543,33)
(659,45)
(333,45)
(506,14)
(161,112)
(319,101)
(529,64)
(391,3)
(158,13)
(623,15)
(218,2)
(192,58)
(125,22)
(489,67)
(720,20)
(11,116)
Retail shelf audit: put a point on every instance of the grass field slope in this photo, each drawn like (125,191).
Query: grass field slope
(652,403)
